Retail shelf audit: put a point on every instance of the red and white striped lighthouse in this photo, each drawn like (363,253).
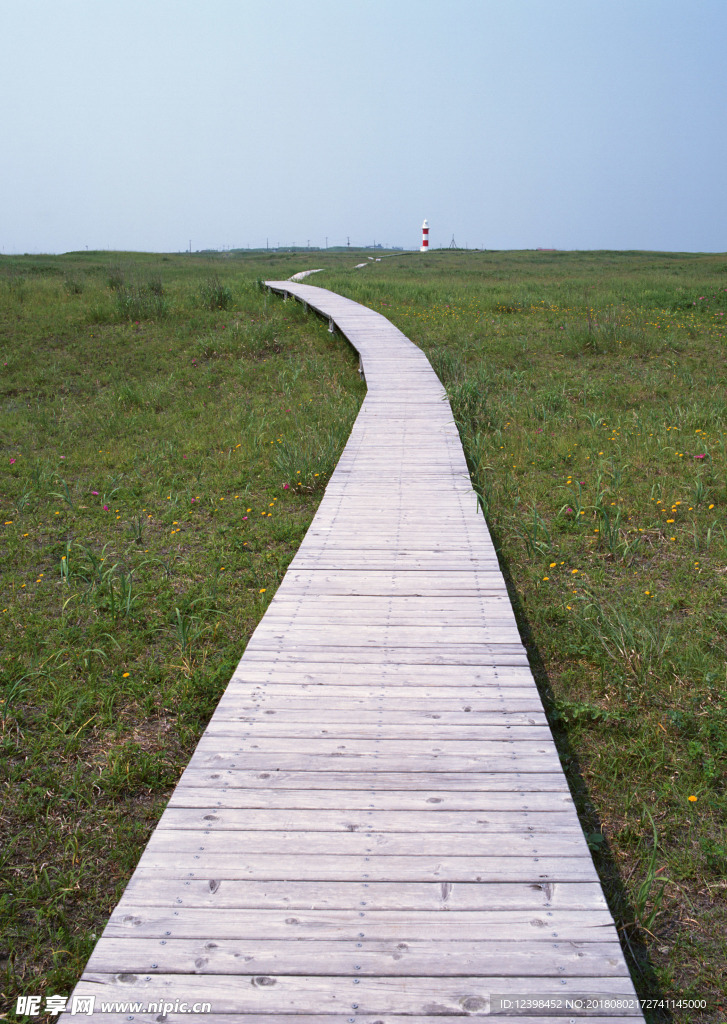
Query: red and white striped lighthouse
(425,237)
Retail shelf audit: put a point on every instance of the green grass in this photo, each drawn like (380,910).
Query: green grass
(153,410)
(590,394)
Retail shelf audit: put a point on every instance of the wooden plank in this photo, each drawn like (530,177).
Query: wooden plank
(299,703)
(538,843)
(507,742)
(373,782)
(422,822)
(368,957)
(186,1017)
(430,731)
(295,994)
(412,721)
(482,655)
(191,793)
(353,761)
(504,926)
(424,867)
(390,896)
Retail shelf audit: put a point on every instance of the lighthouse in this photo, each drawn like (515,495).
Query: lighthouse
(425,237)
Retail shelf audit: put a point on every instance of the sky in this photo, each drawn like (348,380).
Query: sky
(509,124)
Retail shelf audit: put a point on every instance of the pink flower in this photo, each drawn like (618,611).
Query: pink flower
(286,487)
(105,508)
(94,492)
(569,510)
(244,517)
(700,456)
(12,461)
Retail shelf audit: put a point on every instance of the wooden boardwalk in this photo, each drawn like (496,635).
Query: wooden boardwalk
(375,826)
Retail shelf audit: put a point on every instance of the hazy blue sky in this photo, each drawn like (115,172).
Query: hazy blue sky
(576,124)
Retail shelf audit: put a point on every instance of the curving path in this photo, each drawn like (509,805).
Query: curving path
(375,826)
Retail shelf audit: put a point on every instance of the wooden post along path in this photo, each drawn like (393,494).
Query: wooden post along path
(375,826)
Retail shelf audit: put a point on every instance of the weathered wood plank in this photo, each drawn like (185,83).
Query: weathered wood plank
(382,844)
(317,895)
(397,761)
(368,957)
(592,925)
(184,1017)
(422,822)
(295,994)
(415,783)
(503,732)
(189,794)
(421,867)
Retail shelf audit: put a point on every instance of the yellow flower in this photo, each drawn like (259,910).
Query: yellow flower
(552,565)
(125,674)
(573,572)
(692,799)
(263,590)
(546,577)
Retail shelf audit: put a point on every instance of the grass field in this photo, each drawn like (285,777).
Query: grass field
(150,404)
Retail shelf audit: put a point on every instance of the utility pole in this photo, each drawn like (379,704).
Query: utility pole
(326,241)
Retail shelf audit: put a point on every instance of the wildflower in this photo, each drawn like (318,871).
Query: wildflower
(692,799)
(12,461)
(105,508)
(552,565)
(125,674)
(699,456)
(286,487)
(263,590)
(94,492)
